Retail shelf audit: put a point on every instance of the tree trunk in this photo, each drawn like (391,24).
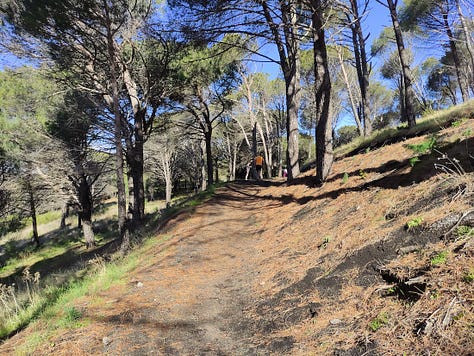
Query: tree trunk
(409,113)
(86,203)
(279,150)
(290,65)
(266,152)
(324,152)
(254,151)
(292,81)
(135,163)
(64,215)
(467,35)
(456,59)
(355,112)
(88,232)
(270,144)
(209,162)
(119,161)
(31,198)
(216,168)
(363,74)
(203,181)
(168,190)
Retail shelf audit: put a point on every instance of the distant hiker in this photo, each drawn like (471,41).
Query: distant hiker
(258,166)
(285,173)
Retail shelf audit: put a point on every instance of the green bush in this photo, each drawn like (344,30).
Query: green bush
(424,147)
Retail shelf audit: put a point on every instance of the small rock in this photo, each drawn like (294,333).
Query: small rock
(106,341)
(335,321)
(139,285)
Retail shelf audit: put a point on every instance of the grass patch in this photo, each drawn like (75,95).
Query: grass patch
(469,276)
(29,257)
(415,222)
(380,321)
(424,147)
(54,306)
(439,259)
(463,232)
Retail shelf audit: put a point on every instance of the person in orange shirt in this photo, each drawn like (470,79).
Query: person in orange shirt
(258,166)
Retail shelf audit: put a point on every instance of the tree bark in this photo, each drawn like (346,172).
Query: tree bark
(31,198)
(119,160)
(86,206)
(363,73)
(467,35)
(352,101)
(135,163)
(209,162)
(456,59)
(324,152)
(203,179)
(290,65)
(64,215)
(408,114)
(168,181)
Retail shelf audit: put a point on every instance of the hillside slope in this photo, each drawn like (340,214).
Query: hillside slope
(378,260)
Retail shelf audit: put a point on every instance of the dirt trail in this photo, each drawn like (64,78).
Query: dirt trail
(189,297)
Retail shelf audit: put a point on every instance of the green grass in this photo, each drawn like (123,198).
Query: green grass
(424,147)
(469,276)
(345,178)
(29,257)
(463,232)
(54,306)
(439,259)
(415,222)
(381,320)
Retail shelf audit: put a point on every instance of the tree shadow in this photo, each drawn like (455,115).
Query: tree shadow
(428,166)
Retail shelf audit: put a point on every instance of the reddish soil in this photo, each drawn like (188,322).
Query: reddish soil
(300,269)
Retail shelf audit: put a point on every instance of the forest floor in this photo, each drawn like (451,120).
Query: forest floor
(373,262)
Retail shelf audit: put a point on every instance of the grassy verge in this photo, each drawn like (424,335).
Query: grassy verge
(52,304)
(432,122)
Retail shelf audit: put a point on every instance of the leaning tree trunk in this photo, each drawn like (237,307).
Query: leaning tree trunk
(352,101)
(409,113)
(467,36)
(456,59)
(324,152)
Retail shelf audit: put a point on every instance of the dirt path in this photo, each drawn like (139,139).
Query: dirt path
(187,298)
